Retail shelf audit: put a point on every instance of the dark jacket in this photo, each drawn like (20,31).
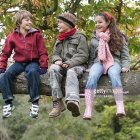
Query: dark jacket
(72,51)
(26,49)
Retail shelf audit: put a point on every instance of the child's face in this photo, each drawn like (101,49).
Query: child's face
(26,24)
(100,24)
(62,27)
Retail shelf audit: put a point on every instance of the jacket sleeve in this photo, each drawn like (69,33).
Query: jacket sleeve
(92,53)
(6,52)
(42,50)
(81,57)
(125,57)
(56,55)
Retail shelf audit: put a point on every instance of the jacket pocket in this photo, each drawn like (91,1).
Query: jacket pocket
(72,46)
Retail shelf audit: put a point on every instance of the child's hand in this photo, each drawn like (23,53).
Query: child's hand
(2,70)
(42,71)
(87,70)
(125,69)
(58,62)
(65,66)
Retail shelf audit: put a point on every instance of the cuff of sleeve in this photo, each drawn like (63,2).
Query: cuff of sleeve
(67,62)
(56,60)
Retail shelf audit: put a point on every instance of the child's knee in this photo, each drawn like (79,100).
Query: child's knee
(113,73)
(54,67)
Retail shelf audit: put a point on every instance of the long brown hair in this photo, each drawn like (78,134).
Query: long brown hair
(116,37)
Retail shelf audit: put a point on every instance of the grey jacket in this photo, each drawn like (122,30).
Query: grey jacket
(73,51)
(122,57)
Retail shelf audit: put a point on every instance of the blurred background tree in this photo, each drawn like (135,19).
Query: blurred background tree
(127,13)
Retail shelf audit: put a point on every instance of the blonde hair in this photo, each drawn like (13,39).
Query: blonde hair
(20,15)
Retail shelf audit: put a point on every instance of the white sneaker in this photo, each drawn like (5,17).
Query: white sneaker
(7,109)
(34,111)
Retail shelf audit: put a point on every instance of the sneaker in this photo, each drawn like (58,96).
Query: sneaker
(34,111)
(7,109)
(73,106)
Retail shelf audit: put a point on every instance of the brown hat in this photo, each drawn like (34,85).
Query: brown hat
(68,18)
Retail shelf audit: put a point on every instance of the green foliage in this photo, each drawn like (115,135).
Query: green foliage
(103,126)
(128,18)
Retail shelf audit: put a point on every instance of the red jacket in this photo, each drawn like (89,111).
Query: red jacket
(26,49)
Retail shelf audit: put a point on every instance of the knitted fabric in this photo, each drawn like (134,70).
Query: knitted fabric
(65,35)
(104,54)
(68,18)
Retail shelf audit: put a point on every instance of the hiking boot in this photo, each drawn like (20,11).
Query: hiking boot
(7,109)
(58,107)
(34,111)
(73,106)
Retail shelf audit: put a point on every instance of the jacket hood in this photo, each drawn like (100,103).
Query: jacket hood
(32,30)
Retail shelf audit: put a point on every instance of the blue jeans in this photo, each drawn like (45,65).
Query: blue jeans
(97,70)
(32,75)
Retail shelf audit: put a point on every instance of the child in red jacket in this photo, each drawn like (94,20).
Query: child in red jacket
(30,56)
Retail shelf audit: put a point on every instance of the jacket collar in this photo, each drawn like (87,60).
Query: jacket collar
(71,37)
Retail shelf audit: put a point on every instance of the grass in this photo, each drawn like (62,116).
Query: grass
(20,126)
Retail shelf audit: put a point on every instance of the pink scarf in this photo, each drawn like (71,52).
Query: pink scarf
(65,35)
(104,54)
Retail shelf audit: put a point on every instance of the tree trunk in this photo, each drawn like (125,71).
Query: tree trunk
(130,81)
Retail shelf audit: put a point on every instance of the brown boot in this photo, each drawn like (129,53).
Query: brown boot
(58,106)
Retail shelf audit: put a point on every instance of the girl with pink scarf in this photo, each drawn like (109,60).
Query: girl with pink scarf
(109,54)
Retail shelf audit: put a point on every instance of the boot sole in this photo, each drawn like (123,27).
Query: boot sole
(53,116)
(71,106)
(120,115)
(86,118)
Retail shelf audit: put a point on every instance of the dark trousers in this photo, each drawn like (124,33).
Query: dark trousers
(31,71)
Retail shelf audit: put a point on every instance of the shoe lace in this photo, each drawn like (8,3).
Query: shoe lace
(55,104)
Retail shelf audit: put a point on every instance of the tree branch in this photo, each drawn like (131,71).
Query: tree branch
(134,66)
(119,10)
(29,6)
(74,6)
(130,83)
(49,11)
(3,2)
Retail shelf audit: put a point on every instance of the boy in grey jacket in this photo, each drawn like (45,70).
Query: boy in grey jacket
(69,58)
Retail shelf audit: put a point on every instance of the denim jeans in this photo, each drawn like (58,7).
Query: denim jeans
(57,73)
(97,70)
(31,71)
